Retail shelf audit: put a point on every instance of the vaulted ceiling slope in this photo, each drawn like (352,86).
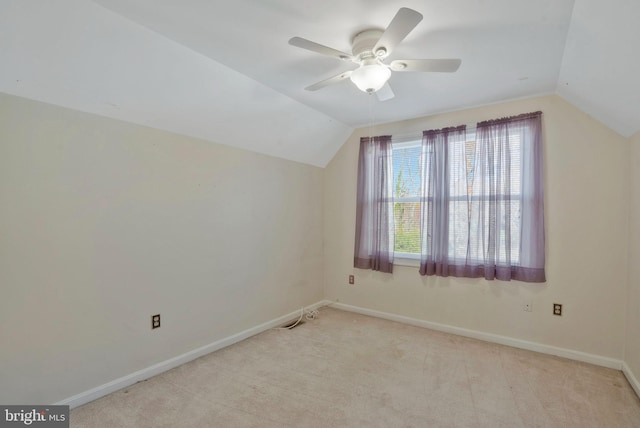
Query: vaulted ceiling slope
(224,72)
(600,70)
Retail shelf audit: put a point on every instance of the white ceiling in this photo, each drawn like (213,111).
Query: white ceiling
(223,70)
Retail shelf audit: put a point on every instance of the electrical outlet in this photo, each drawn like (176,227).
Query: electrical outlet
(352,279)
(527,306)
(557,309)
(155,321)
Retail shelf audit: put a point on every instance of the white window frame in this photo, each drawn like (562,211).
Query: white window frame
(410,259)
(400,258)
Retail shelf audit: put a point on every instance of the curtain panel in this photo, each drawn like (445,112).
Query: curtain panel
(494,138)
(482,201)
(374,240)
(439,174)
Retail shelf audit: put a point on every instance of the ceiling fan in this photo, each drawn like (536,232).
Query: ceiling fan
(370,48)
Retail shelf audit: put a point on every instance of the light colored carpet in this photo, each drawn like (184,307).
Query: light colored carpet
(349,370)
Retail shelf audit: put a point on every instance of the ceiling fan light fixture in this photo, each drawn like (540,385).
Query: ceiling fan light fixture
(370,48)
(370,77)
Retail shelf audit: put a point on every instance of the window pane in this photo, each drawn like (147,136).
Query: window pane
(506,181)
(407,222)
(458,229)
(406,192)
(505,226)
(474,215)
(461,158)
(406,171)
(516,218)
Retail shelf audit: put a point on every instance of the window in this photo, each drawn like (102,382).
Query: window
(464,181)
(464,203)
(406,198)
(504,203)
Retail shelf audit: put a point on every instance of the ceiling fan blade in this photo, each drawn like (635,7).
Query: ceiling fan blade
(385,93)
(405,20)
(318,48)
(432,65)
(330,81)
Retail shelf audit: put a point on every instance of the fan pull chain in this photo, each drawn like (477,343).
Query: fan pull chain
(371,116)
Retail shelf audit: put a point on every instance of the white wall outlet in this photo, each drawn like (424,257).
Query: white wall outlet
(527,306)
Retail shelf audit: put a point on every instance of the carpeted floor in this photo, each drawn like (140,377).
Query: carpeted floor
(349,370)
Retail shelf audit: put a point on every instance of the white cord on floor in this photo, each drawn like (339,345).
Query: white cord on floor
(310,315)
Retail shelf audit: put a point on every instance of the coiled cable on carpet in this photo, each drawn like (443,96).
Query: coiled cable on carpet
(311,314)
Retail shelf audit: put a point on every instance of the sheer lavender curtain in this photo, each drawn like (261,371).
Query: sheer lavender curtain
(439,174)
(510,252)
(374,211)
(482,201)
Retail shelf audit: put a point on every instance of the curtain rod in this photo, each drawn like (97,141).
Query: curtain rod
(417,135)
(471,128)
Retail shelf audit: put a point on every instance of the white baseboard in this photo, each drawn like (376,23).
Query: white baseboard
(488,337)
(633,381)
(146,373)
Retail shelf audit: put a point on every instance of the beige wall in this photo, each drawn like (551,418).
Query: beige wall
(104,223)
(586,198)
(632,348)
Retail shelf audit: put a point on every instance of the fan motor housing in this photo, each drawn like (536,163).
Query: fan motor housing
(363,43)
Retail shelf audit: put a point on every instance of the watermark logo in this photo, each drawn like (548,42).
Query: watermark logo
(34,416)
